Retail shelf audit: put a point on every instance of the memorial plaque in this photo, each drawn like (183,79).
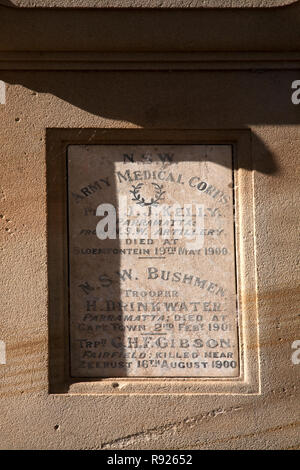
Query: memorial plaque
(152,261)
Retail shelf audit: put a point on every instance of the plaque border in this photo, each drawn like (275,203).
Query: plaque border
(60,380)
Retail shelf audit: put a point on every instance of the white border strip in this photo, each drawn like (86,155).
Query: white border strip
(2,352)
(2,92)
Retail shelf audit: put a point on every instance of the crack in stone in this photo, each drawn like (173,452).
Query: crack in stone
(157,432)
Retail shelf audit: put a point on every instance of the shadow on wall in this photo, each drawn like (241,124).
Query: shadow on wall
(163,100)
(177,100)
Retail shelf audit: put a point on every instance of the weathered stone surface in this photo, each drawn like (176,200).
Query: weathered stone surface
(157,297)
(267,417)
(146,3)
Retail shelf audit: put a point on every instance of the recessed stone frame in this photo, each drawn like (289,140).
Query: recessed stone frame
(60,380)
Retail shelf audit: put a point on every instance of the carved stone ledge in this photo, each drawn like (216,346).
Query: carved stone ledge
(70,60)
(146,3)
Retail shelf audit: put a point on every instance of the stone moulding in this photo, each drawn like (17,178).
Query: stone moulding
(70,60)
(146,3)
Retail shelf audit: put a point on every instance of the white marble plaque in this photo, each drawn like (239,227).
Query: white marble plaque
(152,261)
